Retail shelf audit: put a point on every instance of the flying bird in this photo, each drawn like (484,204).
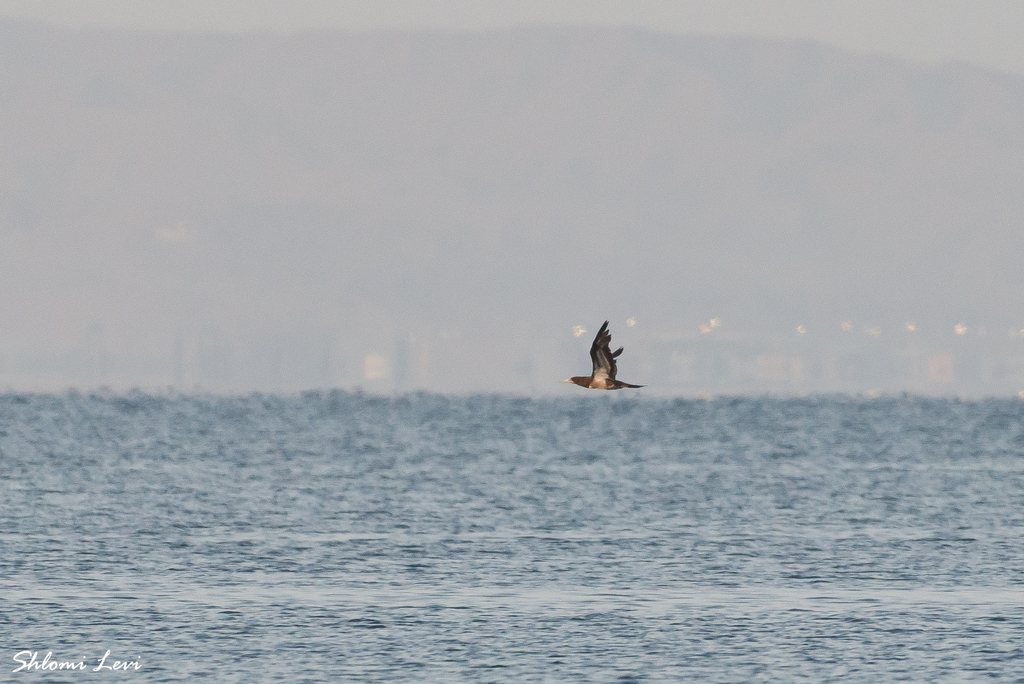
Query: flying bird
(603,357)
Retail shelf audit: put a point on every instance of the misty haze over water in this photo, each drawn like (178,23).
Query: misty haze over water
(404,210)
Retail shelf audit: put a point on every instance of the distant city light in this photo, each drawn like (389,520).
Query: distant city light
(631,322)
(801,330)
(715,322)
(960,329)
(911,327)
(874,331)
(847,326)
(704,330)
(180,234)
(376,366)
(578,330)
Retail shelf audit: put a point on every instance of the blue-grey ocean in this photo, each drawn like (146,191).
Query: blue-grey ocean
(343,537)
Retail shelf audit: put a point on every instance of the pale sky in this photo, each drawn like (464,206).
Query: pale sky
(986,32)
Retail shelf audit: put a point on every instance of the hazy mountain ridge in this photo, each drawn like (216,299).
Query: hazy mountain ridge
(368,193)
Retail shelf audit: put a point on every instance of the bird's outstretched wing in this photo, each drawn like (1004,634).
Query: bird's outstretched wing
(602,355)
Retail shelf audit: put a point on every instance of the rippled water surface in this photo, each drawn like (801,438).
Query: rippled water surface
(341,537)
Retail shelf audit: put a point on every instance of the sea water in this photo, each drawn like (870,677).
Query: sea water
(334,537)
